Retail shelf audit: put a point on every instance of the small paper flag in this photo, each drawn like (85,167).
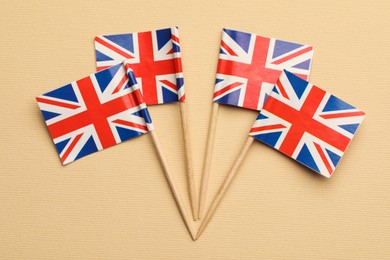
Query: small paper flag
(95,112)
(155,58)
(307,123)
(249,66)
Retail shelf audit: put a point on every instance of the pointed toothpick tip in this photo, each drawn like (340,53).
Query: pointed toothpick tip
(194,238)
(198,235)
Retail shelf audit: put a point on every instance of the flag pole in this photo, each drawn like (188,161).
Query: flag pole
(226,184)
(171,182)
(161,154)
(189,164)
(184,123)
(207,158)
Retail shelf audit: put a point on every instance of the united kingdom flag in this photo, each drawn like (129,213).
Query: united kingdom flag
(93,113)
(154,57)
(249,66)
(307,123)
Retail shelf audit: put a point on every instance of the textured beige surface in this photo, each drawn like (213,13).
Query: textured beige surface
(115,204)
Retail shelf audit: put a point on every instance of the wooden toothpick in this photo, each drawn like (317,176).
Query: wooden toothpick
(207,158)
(188,155)
(226,184)
(161,154)
(171,182)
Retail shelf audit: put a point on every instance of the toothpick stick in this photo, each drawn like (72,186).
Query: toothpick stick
(224,187)
(207,158)
(188,155)
(171,182)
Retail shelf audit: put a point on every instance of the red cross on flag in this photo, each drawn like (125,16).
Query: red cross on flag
(307,123)
(94,113)
(249,66)
(155,58)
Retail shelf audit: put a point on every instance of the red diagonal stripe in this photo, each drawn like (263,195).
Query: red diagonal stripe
(102,68)
(174,38)
(281,89)
(120,85)
(131,124)
(225,89)
(168,83)
(112,47)
(70,148)
(323,158)
(345,114)
(293,55)
(56,103)
(268,127)
(228,49)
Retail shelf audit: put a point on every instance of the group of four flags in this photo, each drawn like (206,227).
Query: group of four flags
(297,118)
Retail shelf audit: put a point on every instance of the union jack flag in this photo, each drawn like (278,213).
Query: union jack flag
(94,113)
(307,123)
(249,66)
(154,57)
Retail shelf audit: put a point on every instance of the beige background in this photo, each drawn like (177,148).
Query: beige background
(116,204)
